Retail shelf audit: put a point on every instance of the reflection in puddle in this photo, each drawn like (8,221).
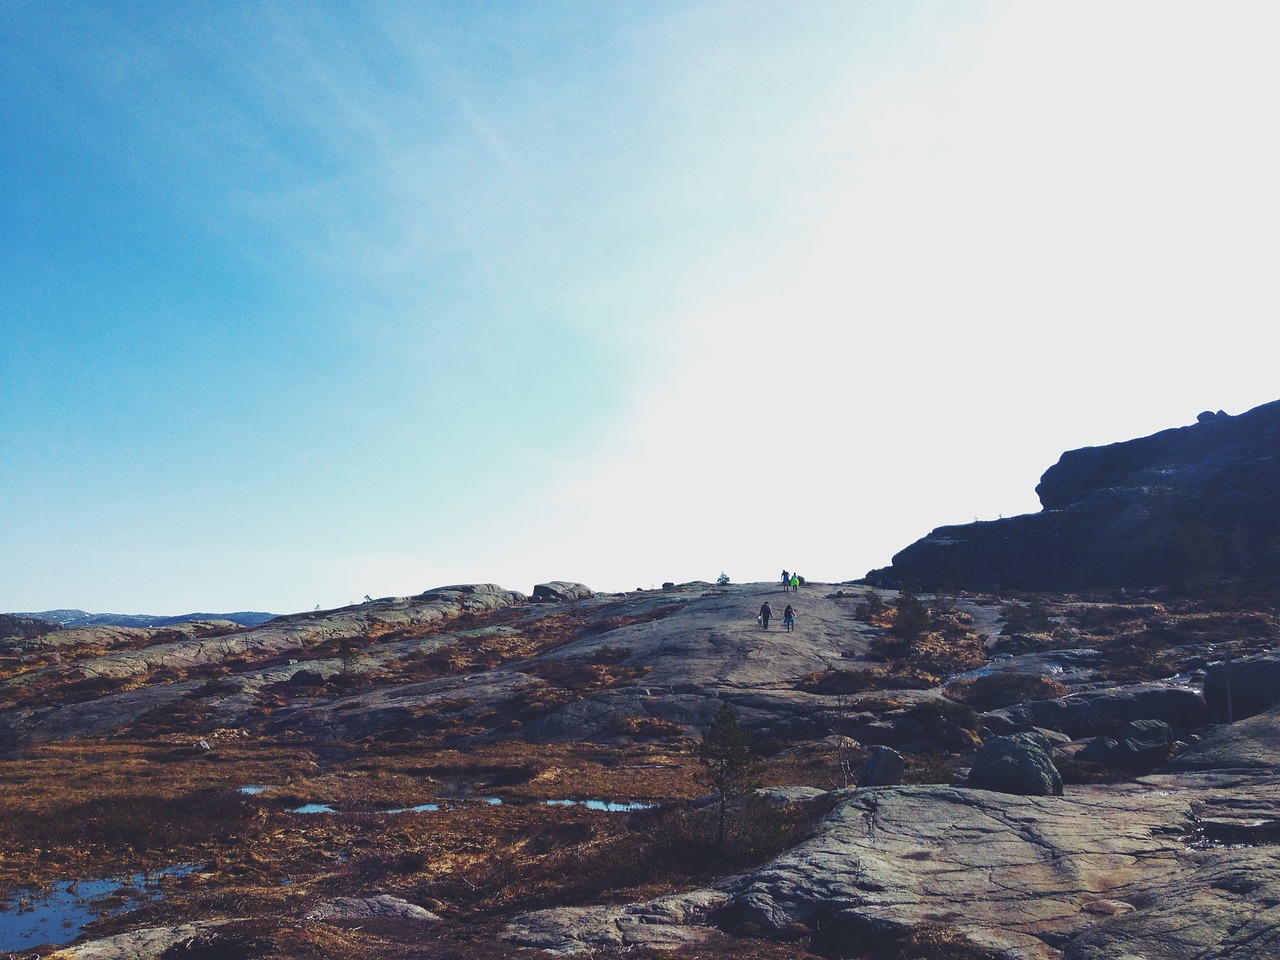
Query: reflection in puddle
(420,808)
(58,914)
(417,808)
(608,805)
(313,808)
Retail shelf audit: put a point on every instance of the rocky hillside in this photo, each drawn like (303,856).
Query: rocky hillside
(1184,506)
(472,772)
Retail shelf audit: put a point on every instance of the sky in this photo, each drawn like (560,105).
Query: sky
(304,302)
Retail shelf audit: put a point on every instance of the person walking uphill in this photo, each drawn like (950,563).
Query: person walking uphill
(789,618)
(766,612)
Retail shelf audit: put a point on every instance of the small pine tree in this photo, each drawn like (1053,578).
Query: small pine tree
(913,618)
(723,579)
(731,766)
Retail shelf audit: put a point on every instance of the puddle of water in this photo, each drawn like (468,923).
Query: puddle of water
(254,789)
(606,805)
(313,808)
(58,914)
(420,808)
(1232,834)
(609,806)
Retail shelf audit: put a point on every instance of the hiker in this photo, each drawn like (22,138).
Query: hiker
(789,618)
(786,579)
(766,612)
(795,583)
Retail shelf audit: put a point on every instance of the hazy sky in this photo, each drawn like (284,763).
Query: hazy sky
(306,301)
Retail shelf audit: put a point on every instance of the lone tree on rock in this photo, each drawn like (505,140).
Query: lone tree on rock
(912,620)
(731,766)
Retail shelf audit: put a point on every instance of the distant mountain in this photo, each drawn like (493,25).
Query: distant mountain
(82,618)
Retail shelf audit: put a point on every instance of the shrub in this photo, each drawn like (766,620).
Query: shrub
(929,767)
(951,724)
(897,676)
(912,620)
(723,579)
(1031,617)
(871,605)
(1004,689)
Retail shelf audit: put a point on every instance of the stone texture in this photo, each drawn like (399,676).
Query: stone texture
(379,906)
(146,943)
(668,923)
(1012,873)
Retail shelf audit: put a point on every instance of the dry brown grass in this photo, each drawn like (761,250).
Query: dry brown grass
(103,807)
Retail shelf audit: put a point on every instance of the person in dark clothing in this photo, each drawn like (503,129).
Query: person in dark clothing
(766,612)
(789,618)
(786,579)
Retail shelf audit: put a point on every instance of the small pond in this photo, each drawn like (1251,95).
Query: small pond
(57,914)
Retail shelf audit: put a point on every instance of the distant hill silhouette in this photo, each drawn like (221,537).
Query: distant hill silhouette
(81,618)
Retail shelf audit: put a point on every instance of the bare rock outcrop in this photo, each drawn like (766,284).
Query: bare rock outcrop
(668,923)
(561,591)
(1175,507)
(1097,712)
(381,906)
(1097,873)
(145,943)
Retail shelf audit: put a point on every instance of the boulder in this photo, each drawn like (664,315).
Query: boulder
(561,591)
(1019,764)
(883,768)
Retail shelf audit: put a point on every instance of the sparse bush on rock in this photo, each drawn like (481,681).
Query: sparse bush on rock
(912,618)
(1004,689)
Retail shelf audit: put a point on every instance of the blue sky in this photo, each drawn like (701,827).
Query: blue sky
(301,302)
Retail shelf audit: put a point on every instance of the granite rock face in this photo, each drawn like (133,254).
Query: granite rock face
(1176,507)
(1099,873)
